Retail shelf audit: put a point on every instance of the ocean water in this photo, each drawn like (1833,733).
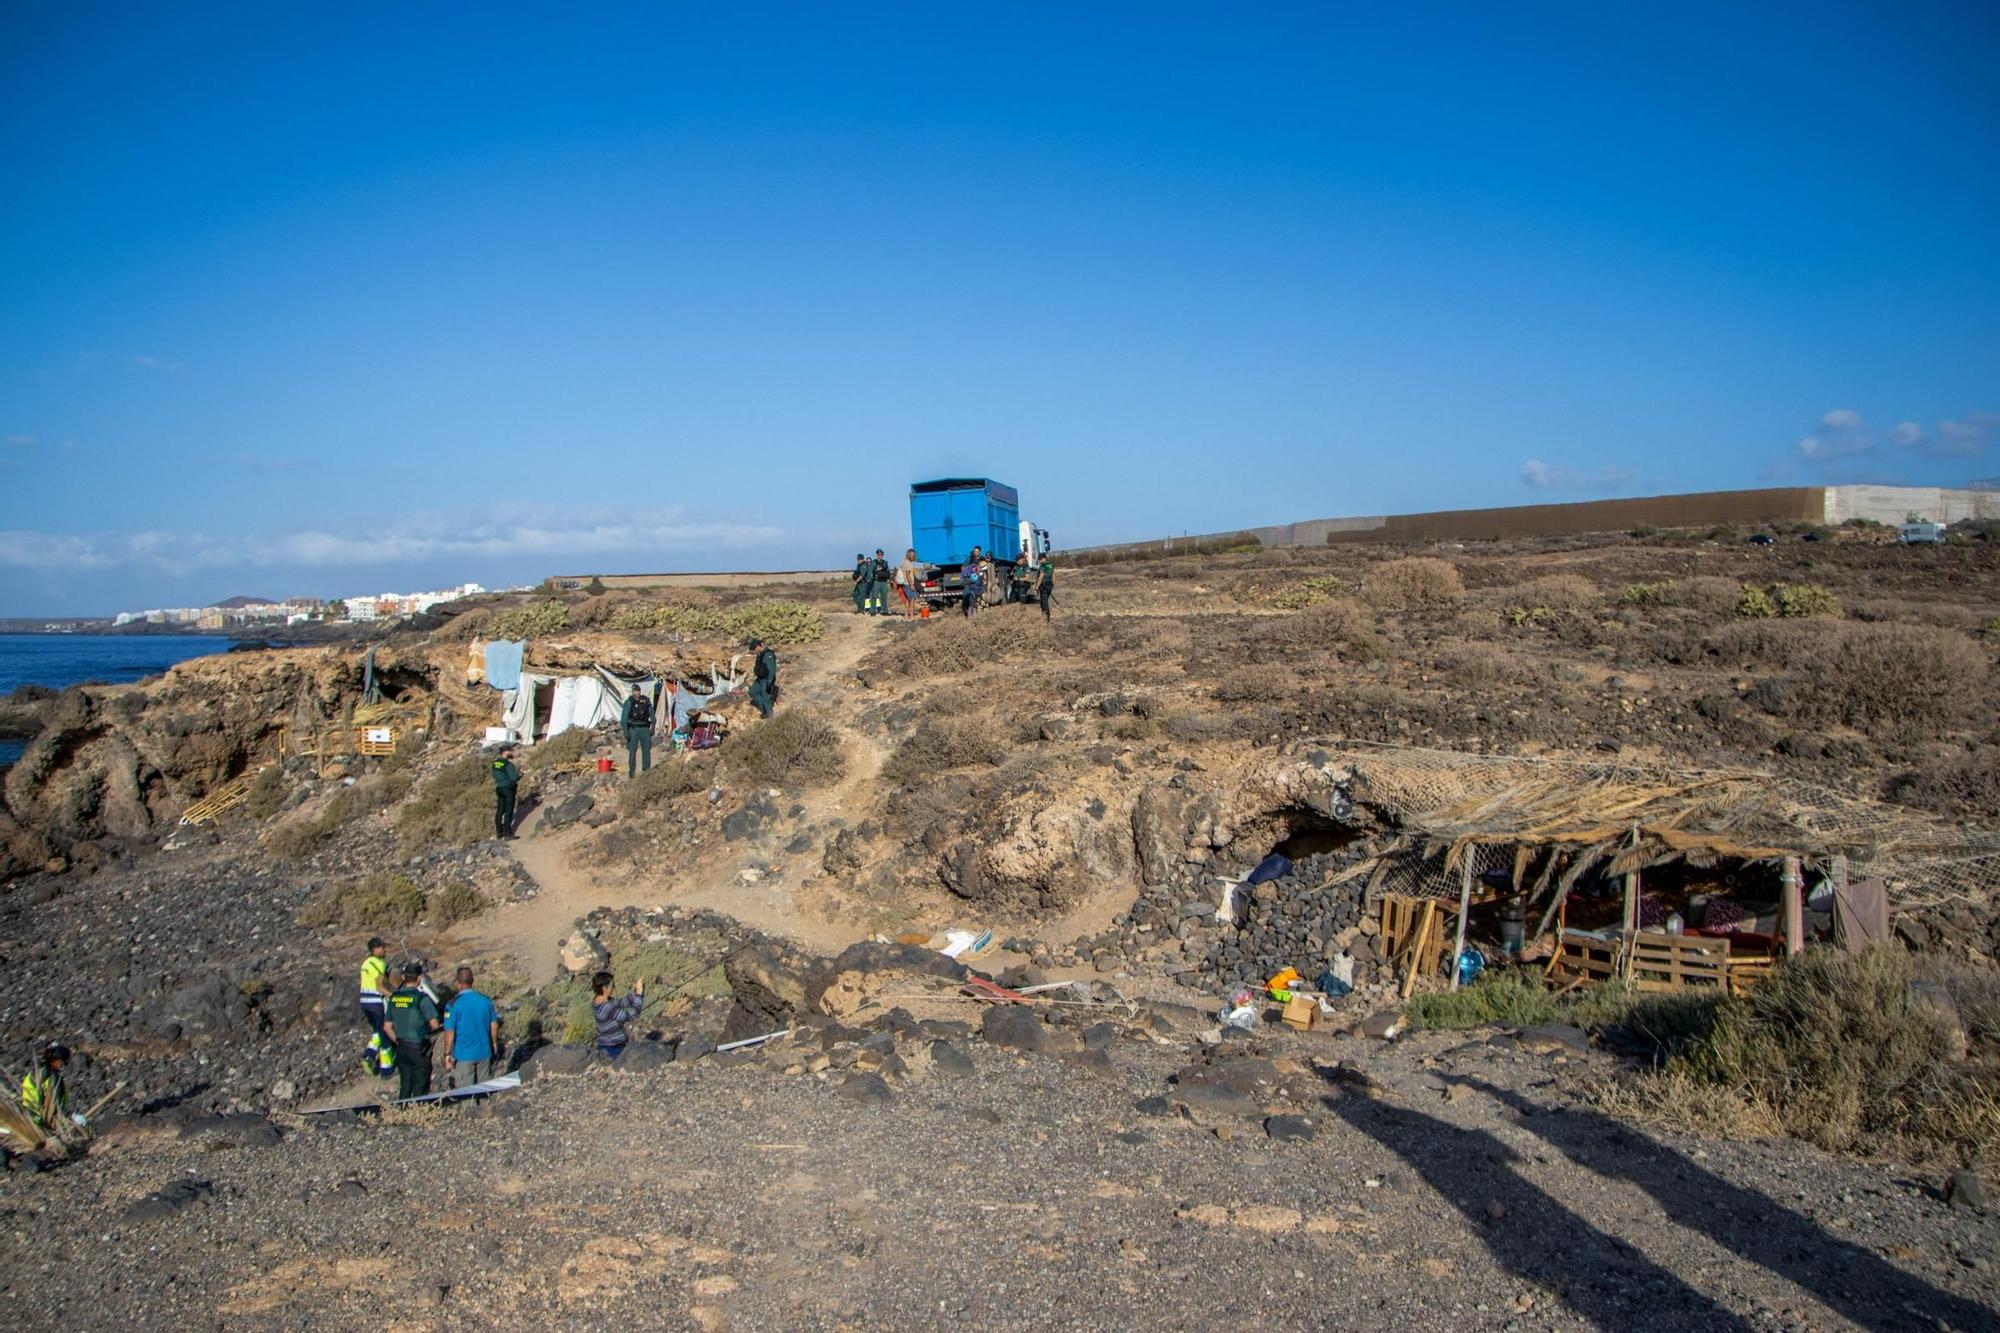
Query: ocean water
(59,660)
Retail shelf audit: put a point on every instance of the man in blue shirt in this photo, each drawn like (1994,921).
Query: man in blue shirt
(471,1034)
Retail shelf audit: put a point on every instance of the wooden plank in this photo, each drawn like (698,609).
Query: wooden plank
(1658,961)
(1417,954)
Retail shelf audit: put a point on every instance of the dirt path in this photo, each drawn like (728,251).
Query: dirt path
(530,932)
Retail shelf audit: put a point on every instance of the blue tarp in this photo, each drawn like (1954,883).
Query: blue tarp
(503,663)
(1275,866)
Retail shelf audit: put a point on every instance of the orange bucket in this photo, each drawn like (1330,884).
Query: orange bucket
(603,764)
(923,613)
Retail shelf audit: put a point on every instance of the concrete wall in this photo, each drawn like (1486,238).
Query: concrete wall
(1894,504)
(1793,504)
(738,580)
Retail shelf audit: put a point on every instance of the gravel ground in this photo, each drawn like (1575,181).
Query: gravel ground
(1451,1180)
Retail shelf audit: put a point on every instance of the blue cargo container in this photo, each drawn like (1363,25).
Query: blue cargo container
(950,516)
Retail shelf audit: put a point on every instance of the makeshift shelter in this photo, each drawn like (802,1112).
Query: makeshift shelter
(1664,878)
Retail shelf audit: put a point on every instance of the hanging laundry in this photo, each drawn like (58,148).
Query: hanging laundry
(503,663)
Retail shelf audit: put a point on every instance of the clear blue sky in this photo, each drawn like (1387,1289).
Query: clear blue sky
(348,298)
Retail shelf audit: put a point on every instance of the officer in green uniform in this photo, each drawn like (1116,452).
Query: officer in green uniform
(413,1017)
(764,678)
(506,784)
(864,575)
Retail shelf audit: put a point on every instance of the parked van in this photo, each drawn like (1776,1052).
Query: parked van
(1929,534)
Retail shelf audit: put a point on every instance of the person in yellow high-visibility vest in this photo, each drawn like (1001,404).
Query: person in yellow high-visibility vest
(44,1094)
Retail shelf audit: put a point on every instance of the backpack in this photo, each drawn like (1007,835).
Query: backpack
(642,712)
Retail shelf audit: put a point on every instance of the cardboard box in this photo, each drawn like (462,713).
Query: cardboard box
(1300,1011)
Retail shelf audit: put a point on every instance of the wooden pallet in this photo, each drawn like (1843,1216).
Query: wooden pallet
(1748,971)
(1412,938)
(1582,959)
(1657,961)
(226,797)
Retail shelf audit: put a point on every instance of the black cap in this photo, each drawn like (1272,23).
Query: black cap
(376,942)
(56,1051)
(412,970)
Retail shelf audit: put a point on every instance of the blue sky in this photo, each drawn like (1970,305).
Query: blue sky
(383,297)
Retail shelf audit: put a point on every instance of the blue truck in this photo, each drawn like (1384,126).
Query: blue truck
(952,515)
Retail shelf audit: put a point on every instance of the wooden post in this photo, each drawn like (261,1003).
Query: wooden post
(1464,909)
(1793,908)
(1632,890)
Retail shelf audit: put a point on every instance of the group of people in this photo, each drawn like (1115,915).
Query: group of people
(1030,580)
(413,1025)
(417,1028)
(636,721)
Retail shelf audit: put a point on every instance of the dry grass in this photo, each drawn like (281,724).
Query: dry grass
(1558,592)
(1963,784)
(559,751)
(1341,625)
(267,794)
(948,643)
(1423,583)
(377,901)
(794,749)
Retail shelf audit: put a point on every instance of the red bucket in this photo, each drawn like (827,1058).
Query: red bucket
(604,764)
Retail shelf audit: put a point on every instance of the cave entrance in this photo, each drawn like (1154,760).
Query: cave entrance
(1305,833)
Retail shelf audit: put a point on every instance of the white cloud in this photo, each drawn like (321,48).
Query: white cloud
(511,530)
(1842,434)
(260,463)
(159,363)
(21,441)
(1554,476)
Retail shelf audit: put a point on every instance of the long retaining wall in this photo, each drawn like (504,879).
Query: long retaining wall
(1785,504)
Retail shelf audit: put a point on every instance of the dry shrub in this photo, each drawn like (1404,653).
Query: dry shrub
(1341,623)
(1961,785)
(453,809)
(1705,593)
(794,749)
(1838,1050)
(1904,676)
(1255,684)
(940,744)
(454,902)
(1783,645)
(267,794)
(949,643)
(695,771)
(1424,583)
(1558,592)
(1478,665)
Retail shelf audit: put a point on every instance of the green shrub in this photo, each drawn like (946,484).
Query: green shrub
(1755,603)
(377,901)
(454,902)
(580,1023)
(775,621)
(940,744)
(1646,594)
(679,617)
(1798,601)
(793,749)
(1306,592)
(525,622)
(1509,998)
(453,809)
(1991,629)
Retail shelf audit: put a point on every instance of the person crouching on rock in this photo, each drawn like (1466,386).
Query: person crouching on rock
(612,1015)
(506,784)
(413,1017)
(44,1094)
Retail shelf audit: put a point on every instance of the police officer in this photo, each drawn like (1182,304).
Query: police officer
(506,785)
(636,717)
(1045,584)
(413,1017)
(864,574)
(764,678)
